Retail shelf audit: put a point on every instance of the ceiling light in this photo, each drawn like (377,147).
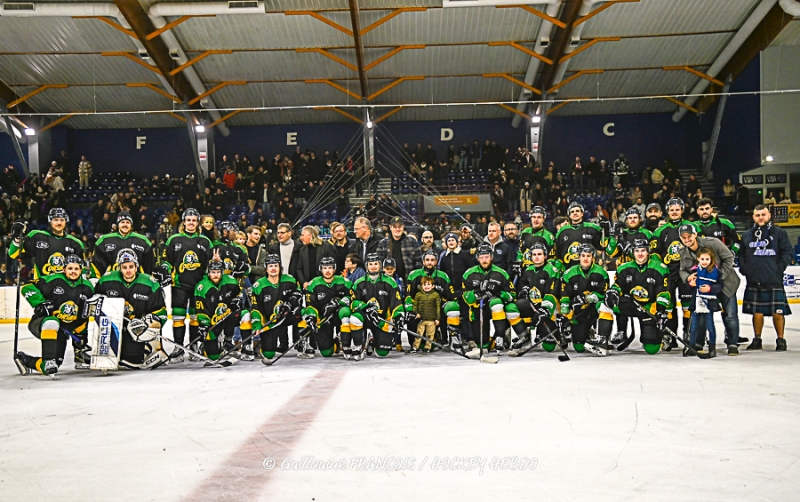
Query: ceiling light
(536,119)
(29,132)
(770,158)
(369,124)
(200,128)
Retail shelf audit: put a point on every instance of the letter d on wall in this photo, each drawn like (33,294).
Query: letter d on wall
(607,129)
(447,134)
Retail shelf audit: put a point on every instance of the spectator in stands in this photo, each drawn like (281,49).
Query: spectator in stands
(475,155)
(783,199)
(341,244)
(103,226)
(428,243)
(526,198)
(501,253)
(229,178)
(498,199)
(353,268)
(577,175)
(769,199)
(511,238)
(224,165)
(286,247)
(84,172)
(512,195)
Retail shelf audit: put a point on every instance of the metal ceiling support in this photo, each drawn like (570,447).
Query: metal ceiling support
(334,85)
(322,18)
(583,47)
(573,77)
(601,9)
(712,143)
(156,89)
(215,89)
(388,114)
(695,72)
(193,137)
(389,16)
(791,7)
(197,59)
(368,132)
(15,141)
(682,104)
(135,59)
(738,40)
(34,93)
(329,55)
(355,22)
(391,53)
(545,30)
(516,45)
(514,110)
(55,122)
(386,88)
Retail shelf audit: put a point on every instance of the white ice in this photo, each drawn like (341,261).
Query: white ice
(626,427)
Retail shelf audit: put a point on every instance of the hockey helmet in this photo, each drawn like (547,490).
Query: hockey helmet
(127,255)
(372,258)
(484,249)
(327,261)
(675,201)
(586,248)
(574,205)
(641,243)
(273,259)
(190,212)
(73,258)
(57,212)
(216,265)
(540,210)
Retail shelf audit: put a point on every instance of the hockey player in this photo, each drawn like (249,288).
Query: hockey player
(570,237)
(185,258)
(536,233)
(582,291)
(537,303)
(145,311)
(276,304)
(711,225)
(376,300)
(108,245)
(328,299)
(57,301)
(668,246)
(45,250)
(233,256)
(641,290)
(488,285)
(217,303)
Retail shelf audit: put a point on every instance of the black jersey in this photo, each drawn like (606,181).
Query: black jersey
(233,256)
(142,296)
(44,252)
(212,302)
(570,237)
(493,280)
(543,285)
(668,245)
(382,290)
(579,282)
(618,244)
(266,295)
(529,237)
(722,229)
(67,296)
(108,245)
(646,284)
(319,294)
(187,257)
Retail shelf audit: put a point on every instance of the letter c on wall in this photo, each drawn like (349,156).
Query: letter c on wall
(607,129)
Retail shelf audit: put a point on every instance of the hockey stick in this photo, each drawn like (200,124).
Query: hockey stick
(426,339)
(484,359)
(209,362)
(687,346)
(238,345)
(305,333)
(561,343)
(18,300)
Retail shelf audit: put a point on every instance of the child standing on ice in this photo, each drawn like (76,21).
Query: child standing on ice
(704,300)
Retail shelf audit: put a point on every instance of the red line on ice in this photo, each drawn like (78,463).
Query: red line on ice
(242,475)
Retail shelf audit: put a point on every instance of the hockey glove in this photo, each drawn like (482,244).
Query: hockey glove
(161,275)
(516,269)
(44,309)
(331,307)
(236,304)
(203,332)
(241,270)
(311,322)
(591,298)
(295,300)
(283,309)
(523,293)
(626,248)
(578,302)
(345,300)
(612,299)
(18,229)
(661,320)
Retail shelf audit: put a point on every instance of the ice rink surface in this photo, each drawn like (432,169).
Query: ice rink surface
(625,427)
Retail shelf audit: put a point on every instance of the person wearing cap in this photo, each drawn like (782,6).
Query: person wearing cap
(108,245)
(640,291)
(571,236)
(145,307)
(583,290)
(765,253)
(653,218)
(57,301)
(668,247)
(692,243)
(400,246)
(184,260)
(537,302)
(44,250)
(276,304)
(468,241)
(489,286)
(536,233)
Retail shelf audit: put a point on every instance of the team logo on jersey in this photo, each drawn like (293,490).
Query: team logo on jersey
(190,262)
(572,252)
(58,290)
(321,296)
(68,312)
(268,298)
(42,245)
(137,247)
(673,253)
(640,294)
(220,312)
(228,263)
(178,246)
(383,293)
(535,295)
(137,296)
(111,247)
(55,264)
(112,293)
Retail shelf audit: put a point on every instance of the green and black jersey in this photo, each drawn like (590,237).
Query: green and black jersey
(441,283)
(721,229)
(646,284)
(108,245)
(382,290)
(579,282)
(544,286)
(187,256)
(266,295)
(142,296)
(570,237)
(625,239)
(212,302)
(319,294)
(529,237)
(67,296)
(44,252)
(232,255)
(668,245)
(493,280)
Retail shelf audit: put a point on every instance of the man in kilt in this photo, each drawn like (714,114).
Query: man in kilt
(763,257)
